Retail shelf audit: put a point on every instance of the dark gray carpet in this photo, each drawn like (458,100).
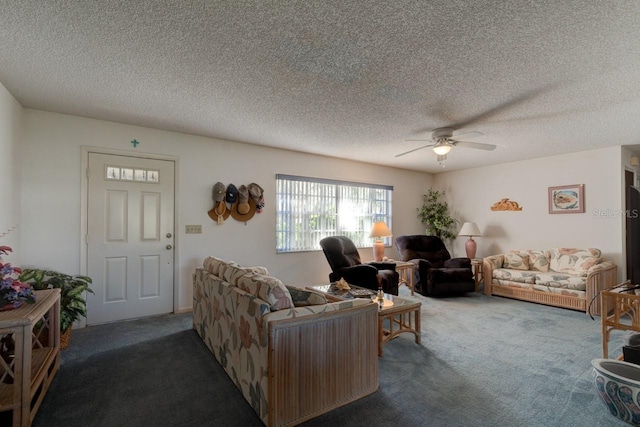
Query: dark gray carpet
(484,361)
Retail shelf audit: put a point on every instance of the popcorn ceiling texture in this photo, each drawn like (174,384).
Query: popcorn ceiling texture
(351,79)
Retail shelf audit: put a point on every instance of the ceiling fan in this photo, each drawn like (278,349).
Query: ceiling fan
(443,141)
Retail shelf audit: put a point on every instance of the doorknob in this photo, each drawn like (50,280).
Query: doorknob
(169,235)
(169,246)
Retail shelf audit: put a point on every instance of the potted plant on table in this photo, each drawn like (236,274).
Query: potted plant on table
(13,292)
(73,305)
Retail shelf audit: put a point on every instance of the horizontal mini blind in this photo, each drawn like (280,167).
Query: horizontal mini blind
(310,209)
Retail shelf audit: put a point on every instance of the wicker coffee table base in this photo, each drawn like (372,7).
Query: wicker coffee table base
(401,319)
(403,315)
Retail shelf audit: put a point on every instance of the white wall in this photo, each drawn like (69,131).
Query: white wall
(10,136)
(51,175)
(51,178)
(470,194)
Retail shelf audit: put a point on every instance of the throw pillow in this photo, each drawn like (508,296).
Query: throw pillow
(303,297)
(516,261)
(539,261)
(584,263)
(574,261)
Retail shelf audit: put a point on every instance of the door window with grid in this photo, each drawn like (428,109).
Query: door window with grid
(310,209)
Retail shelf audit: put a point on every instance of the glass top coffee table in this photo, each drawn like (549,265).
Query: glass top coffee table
(403,315)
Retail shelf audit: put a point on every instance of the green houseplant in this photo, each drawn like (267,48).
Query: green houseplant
(434,215)
(73,305)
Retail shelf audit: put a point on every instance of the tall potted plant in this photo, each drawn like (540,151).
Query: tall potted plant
(434,215)
(73,305)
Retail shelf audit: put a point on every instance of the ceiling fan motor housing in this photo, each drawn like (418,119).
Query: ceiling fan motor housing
(442,133)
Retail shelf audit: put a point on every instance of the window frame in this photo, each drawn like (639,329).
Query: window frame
(289,219)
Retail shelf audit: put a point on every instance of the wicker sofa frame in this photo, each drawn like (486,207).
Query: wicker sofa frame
(596,281)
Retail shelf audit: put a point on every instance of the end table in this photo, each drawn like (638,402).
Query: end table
(478,276)
(405,270)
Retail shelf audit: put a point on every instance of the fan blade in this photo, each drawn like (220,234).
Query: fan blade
(415,149)
(488,147)
(469,134)
(505,106)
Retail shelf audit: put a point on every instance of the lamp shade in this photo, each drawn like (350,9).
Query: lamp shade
(380,229)
(469,229)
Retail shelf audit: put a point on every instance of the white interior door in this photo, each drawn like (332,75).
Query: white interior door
(129,237)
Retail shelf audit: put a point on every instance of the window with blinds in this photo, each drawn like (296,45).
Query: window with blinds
(310,209)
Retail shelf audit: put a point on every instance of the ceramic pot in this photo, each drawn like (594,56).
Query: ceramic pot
(618,384)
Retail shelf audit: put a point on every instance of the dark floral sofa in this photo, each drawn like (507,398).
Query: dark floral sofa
(291,354)
(562,277)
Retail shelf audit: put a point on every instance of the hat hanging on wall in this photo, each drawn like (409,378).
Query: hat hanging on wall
(232,194)
(257,195)
(245,207)
(219,212)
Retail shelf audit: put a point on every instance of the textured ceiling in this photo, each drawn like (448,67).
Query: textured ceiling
(350,79)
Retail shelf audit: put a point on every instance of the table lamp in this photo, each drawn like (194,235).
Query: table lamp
(379,230)
(470,229)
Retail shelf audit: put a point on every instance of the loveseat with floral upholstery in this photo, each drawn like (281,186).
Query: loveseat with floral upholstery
(292,355)
(562,277)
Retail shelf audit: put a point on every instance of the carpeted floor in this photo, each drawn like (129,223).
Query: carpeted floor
(483,361)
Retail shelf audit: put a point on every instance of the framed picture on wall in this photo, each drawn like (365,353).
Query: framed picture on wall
(566,199)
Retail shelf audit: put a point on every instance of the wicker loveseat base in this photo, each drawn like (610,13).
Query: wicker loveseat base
(564,301)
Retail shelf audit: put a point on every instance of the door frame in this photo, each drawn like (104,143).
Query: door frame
(84,208)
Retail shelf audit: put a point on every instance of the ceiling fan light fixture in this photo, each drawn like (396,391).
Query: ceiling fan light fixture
(441,148)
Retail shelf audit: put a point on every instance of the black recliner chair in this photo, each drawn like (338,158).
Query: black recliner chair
(435,272)
(344,261)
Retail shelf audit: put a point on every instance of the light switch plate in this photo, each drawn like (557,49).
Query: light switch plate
(193,229)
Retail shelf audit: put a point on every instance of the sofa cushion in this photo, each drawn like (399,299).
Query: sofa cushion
(226,269)
(257,269)
(538,260)
(561,280)
(574,261)
(515,275)
(313,309)
(267,288)
(516,261)
(212,265)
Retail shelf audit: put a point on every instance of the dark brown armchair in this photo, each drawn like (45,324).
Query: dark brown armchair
(344,261)
(435,272)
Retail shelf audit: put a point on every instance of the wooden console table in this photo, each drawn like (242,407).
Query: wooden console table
(25,377)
